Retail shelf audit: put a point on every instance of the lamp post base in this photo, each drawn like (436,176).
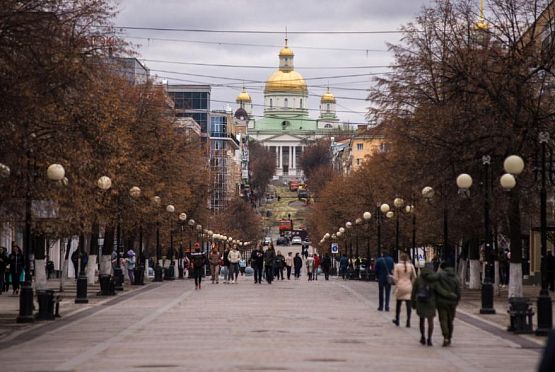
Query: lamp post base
(545,313)
(158,274)
(26,304)
(118,279)
(81,297)
(487,298)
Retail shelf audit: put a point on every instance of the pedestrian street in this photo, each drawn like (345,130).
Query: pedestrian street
(291,325)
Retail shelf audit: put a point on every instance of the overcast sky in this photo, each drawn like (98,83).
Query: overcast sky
(297,15)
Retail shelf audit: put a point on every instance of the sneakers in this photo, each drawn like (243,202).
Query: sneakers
(423,340)
(430,342)
(446,342)
(396,322)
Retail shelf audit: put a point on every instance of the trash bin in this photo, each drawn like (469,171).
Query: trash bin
(521,315)
(45,299)
(139,273)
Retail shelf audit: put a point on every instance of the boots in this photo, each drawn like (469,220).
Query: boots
(408,323)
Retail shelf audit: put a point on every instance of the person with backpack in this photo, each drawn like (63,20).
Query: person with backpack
(298,263)
(424,301)
(326,265)
(226,264)
(343,265)
(384,269)
(404,275)
(198,260)
(448,293)
(279,264)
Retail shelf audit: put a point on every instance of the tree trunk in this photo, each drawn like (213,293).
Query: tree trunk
(39,249)
(496,278)
(515,280)
(474,256)
(515,266)
(107,248)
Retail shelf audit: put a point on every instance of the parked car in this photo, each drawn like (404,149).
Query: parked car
(302,194)
(282,240)
(296,240)
(267,240)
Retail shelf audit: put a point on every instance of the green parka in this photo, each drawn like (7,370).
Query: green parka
(425,309)
(449,288)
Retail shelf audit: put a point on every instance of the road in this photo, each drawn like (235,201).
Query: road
(290,325)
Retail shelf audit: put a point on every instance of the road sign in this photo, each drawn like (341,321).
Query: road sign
(334,248)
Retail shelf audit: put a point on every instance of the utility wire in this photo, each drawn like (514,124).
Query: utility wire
(264,32)
(264,67)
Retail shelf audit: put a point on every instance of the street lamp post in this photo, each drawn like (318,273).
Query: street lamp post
(349,227)
(358,222)
(182,219)
(367,216)
(170,273)
(135,193)
(544,304)
(158,277)
(398,203)
(383,208)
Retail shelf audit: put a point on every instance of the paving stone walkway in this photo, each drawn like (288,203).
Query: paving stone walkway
(290,325)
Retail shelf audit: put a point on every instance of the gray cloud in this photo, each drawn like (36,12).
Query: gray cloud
(296,15)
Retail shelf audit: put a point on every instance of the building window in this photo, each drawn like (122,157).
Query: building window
(382,148)
(328,126)
(285,103)
(358,161)
(301,103)
(327,107)
(360,146)
(271,103)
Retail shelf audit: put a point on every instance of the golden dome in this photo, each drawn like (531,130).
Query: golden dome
(286,52)
(286,82)
(243,97)
(328,97)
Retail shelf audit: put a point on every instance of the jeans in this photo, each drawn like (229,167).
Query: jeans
(258,273)
(131,274)
(233,271)
(226,273)
(446,315)
(279,273)
(384,287)
(327,274)
(215,272)
(288,272)
(297,272)
(197,273)
(15,280)
(269,274)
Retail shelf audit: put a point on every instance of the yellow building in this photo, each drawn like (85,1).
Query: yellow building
(364,145)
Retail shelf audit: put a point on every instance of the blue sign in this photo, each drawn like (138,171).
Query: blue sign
(334,248)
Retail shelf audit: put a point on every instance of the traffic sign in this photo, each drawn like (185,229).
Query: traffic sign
(334,248)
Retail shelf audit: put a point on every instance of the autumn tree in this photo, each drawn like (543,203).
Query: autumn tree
(262,167)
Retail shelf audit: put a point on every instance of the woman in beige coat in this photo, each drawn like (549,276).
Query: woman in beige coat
(404,275)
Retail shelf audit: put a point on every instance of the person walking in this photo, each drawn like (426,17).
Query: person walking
(298,263)
(404,275)
(310,266)
(343,265)
(130,263)
(75,262)
(384,269)
(279,264)
(214,259)
(226,264)
(269,258)
(234,257)
(448,295)
(289,264)
(326,265)
(16,267)
(257,263)
(242,266)
(3,266)
(198,260)
(423,299)
(316,266)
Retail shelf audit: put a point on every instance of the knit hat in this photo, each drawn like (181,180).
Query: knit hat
(130,252)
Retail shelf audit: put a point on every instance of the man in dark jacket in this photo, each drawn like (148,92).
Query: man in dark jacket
(550,271)
(384,268)
(447,305)
(198,260)
(257,263)
(298,264)
(3,265)
(326,265)
(16,267)
(269,260)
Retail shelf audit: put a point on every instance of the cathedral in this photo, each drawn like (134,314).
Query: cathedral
(286,127)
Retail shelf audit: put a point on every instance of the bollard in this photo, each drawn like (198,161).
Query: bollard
(139,273)
(118,279)
(158,273)
(26,304)
(521,315)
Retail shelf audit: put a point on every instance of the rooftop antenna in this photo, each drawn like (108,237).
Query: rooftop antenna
(482,25)
(286,36)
